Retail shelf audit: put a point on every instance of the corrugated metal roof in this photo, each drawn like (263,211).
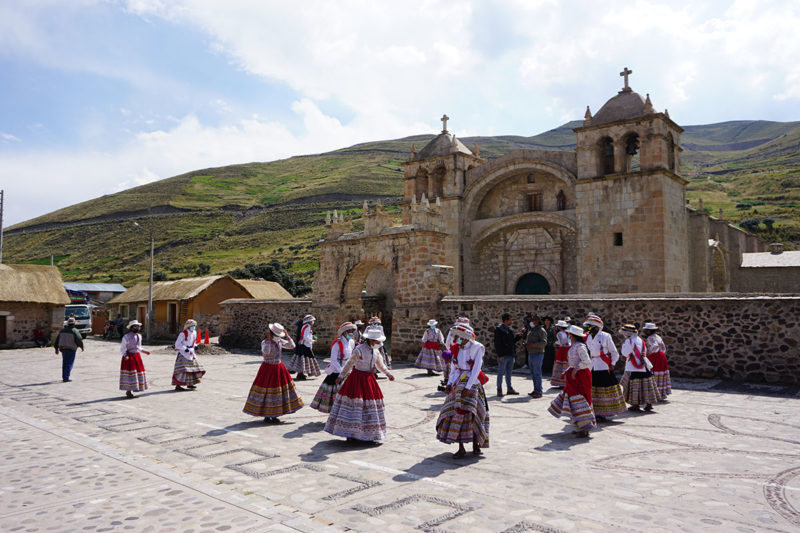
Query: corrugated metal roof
(94,287)
(768,259)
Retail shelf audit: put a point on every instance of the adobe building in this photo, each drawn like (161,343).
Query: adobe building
(31,296)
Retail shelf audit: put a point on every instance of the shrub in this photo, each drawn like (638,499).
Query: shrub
(750,224)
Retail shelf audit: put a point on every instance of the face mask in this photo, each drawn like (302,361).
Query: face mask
(135,329)
(530,324)
(431,328)
(192,328)
(461,341)
(348,336)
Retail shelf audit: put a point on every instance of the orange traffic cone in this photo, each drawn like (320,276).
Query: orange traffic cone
(206,341)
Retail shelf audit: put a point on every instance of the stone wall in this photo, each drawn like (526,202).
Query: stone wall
(22,318)
(741,337)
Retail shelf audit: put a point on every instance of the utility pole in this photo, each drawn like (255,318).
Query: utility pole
(150,293)
(2,195)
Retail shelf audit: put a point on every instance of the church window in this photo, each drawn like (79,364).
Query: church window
(535,202)
(632,153)
(561,200)
(606,156)
(670,152)
(531,178)
(618,239)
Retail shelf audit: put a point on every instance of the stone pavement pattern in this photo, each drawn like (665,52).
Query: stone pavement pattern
(79,457)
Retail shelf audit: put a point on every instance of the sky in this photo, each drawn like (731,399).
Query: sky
(97,96)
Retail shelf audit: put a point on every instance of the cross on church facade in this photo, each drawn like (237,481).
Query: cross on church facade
(625,73)
(444,120)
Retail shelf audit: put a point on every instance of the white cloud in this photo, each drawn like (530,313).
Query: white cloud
(9,137)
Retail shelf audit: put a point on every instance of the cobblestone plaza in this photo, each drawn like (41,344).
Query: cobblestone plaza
(79,457)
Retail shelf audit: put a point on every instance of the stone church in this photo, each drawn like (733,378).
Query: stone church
(610,217)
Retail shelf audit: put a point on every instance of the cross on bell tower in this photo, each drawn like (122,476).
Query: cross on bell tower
(625,73)
(444,120)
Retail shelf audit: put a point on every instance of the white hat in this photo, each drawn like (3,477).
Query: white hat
(359,323)
(308,318)
(347,326)
(462,321)
(463,331)
(70,321)
(277,330)
(567,319)
(575,330)
(375,334)
(562,324)
(374,320)
(593,320)
(134,323)
(432,322)
(649,325)
(189,322)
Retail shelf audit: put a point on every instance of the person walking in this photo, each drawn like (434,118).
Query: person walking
(464,417)
(132,377)
(341,349)
(273,393)
(504,344)
(657,354)
(188,371)
(575,399)
(607,397)
(535,344)
(560,363)
(358,411)
(303,362)
(67,342)
(549,347)
(430,356)
(637,382)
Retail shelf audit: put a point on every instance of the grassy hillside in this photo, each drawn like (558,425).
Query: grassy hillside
(221,218)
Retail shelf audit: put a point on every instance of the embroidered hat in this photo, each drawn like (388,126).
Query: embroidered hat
(134,323)
(347,326)
(190,322)
(649,325)
(277,330)
(463,331)
(628,330)
(374,333)
(575,330)
(562,324)
(462,321)
(432,322)
(593,320)
(308,319)
(71,321)
(374,321)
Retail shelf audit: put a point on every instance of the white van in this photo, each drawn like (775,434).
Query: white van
(83,318)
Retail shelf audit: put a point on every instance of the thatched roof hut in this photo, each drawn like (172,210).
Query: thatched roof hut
(265,290)
(33,284)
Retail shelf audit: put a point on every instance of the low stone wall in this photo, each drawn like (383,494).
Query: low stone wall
(742,337)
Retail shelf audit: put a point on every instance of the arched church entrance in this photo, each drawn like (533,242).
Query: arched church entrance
(369,291)
(532,283)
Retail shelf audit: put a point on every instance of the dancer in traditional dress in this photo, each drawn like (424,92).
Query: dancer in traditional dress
(465,414)
(188,371)
(358,411)
(637,382)
(430,357)
(575,399)
(131,370)
(447,354)
(375,322)
(273,393)
(341,348)
(657,354)
(607,397)
(303,362)
(560,363)
(358,337)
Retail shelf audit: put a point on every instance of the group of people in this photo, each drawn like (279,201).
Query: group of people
(583,368)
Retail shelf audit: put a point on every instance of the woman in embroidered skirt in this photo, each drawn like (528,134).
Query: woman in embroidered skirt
(465,414)
(187,371)
(358,411)
(273,392)
(657,353)
(607,397)
(341,349)
(575,399)
(637,382)
(560,363)
(303,361)
(430,357)
(131,370)
(447,354)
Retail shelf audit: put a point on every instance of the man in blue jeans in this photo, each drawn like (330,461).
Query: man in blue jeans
(504,341)
(67,342)
(534,344)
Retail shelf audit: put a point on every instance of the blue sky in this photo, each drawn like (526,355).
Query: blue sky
(97,96)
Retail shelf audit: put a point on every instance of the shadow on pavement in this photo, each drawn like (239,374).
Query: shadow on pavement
(322,450)
(308,427)
(561,441)
(38,384)
(436,466)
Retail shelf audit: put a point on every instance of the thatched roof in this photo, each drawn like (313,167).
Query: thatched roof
(179,289)
(32,283)
(265,290)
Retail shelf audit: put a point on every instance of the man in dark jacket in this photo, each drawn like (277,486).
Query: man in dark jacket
(67,342)
(535,343)
(504,340)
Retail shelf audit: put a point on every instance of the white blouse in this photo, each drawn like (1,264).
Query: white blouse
(469,362)
(433,335)
(131,343)
(602,343)
(307,336)
(185,344)
(365,358)
(562,339)
(338,356)
(628,351)
(578,357)
(655,344)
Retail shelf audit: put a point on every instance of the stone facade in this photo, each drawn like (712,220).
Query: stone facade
(21,318)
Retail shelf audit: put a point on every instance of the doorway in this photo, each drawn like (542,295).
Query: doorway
(3,330)
(172,317)
(532,283)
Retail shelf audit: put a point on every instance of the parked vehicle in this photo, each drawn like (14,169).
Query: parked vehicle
(83,317)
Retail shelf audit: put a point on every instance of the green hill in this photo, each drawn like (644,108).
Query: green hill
(218,219)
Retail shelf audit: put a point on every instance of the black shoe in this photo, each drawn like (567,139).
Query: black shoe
(129,394)
(67,380)
(499,393)
(535,394)
(191,387)
(635,408)
(179,388)
(441,388)
(512,391)
(601,418)
(300,377)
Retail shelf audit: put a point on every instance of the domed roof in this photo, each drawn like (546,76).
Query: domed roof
(625,105)
(443,144)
